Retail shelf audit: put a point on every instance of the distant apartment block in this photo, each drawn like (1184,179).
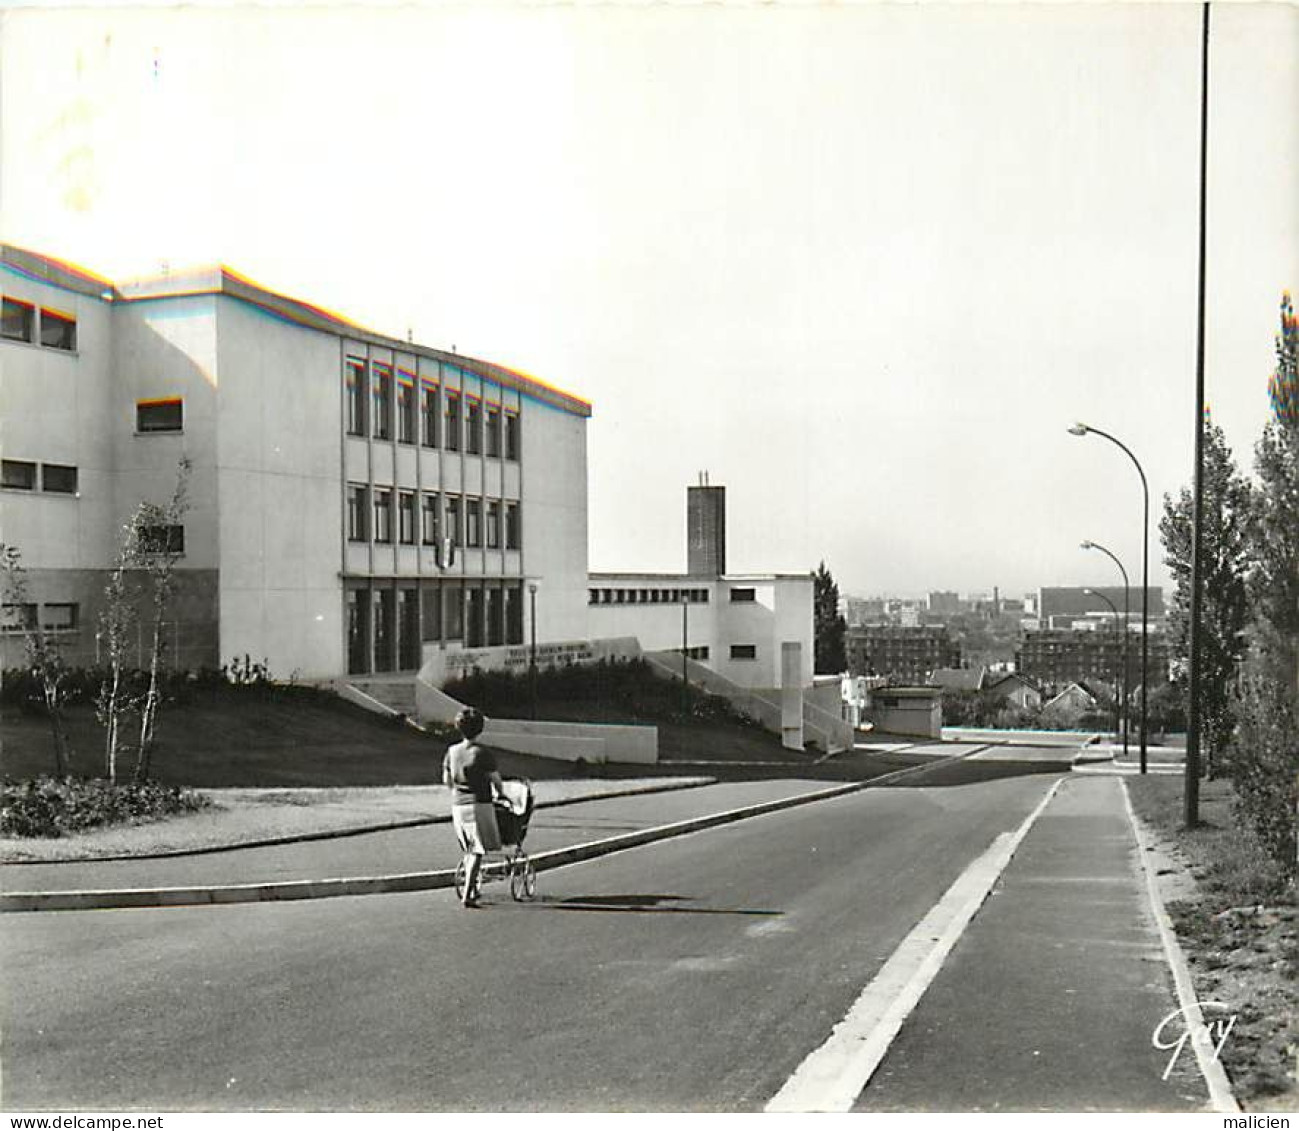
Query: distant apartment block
(901,652)
(1061,606)
(1060,656)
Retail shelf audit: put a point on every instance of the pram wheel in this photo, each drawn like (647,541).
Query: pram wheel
(461,873)
(523,878)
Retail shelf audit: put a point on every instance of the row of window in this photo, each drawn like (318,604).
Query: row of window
(22,475)
(26,322)
(418,411)
(646,596)
(55,616)
(430,518)
(387,622)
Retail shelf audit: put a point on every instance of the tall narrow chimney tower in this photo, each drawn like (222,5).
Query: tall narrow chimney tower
(705,530)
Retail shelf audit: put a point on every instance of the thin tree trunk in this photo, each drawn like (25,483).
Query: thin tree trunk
(150,709)
(56,728)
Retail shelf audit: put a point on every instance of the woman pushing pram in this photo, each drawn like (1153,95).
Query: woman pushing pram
(489,813)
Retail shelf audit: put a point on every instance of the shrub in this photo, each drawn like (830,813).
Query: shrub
(53,807)
(1264,767)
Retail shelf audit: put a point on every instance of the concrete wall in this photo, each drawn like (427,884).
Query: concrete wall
(555,521)
(279,480)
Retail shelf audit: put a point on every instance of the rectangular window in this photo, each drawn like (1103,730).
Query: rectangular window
(385,630)
(17,320)
(163,539)
(381,402)
(512,435)
(406,518)
(453,421)
(473,426)
(59,478)
(18,618)
(165,415)
(493,430)
(744,651)
(58,330)
(357,505)
(493,526)
(355,393)
(495,617)
(453,606)
(473,522)
(513,532)
(405,407)
(382,515)
(454,530)
(429,505)
(743,595)
(428,410)
(61,617)
(514,614)
(431,611)
(18,474)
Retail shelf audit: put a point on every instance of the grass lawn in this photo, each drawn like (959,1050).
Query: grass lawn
(1239,926)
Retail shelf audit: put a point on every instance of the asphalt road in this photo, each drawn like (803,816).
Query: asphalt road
(694,974)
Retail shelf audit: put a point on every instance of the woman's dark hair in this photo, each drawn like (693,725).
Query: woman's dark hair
(470,722)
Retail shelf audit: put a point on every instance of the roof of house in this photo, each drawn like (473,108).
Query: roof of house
(221,280)
(1071,692)
(959,679)
(1000,679)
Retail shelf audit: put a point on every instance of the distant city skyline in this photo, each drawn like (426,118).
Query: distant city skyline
(863,263)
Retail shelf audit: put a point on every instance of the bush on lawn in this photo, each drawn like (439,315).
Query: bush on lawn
(53,807)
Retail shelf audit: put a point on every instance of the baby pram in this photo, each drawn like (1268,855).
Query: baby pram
(513,807)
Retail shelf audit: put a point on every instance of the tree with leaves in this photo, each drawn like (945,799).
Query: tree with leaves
(40,649)
(829,625)
(1265,757)
(1225,555)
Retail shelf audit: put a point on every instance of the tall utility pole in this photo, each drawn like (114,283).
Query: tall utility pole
(1191,796)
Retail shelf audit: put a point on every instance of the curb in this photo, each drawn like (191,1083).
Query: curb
(335,834)
(417,881)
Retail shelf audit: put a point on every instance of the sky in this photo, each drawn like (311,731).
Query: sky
(862,263)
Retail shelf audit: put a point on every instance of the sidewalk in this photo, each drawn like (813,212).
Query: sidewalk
(1063,977)
(421,857)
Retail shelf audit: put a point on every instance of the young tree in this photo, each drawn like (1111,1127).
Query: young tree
(115,622)
(40,650)
(1224,563)
(158,554)
(828,624)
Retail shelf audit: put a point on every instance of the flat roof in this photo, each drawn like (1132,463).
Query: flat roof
(699,578)
(222,280)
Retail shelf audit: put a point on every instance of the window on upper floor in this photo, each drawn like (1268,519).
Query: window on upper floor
(164,415)
(354,393)
(429,519)
(743,595)
(493,525)
(406,518)
(452,442)
(512,435)
(168,538)
(473,426)
(382,515)
(454,529)
(58,330)
(18,617)
(17,320)
(405,407)
(428,411)
(357,507)
(473,522)
(744,651)
(493,430)
(18,474)
(513,526)
(381,402)
(59,478)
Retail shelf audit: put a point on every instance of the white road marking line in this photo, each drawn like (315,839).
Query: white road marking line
(832,1077)
(1215,1076)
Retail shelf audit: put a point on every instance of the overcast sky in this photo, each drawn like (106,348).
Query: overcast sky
(864,264)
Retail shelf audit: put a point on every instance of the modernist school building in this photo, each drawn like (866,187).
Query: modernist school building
(355,501)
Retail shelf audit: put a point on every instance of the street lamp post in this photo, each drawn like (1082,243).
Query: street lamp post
(1082,430)
(532,651)
(1127,607)
(1117,648)
(685,638)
